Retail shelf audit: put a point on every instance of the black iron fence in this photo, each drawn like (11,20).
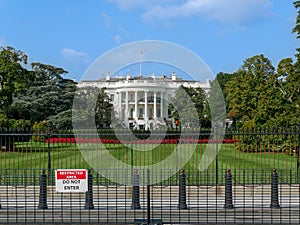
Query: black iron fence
(36,201)
(242,149)
(262,185)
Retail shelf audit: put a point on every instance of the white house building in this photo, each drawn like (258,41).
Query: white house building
(142,102)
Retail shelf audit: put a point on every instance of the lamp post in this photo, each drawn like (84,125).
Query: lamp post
(217,158)
(131,156)
(49,151)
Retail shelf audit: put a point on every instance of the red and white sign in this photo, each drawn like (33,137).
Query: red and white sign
(71,180)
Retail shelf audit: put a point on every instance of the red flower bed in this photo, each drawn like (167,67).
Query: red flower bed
(164,141)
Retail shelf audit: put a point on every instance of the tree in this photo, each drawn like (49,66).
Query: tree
(50,96)
(246,92)
(92,108)
(296,28)
(235,92)
(14,78)
(104,110)
(189,106)
(293,80)
(223,79)
(288,88)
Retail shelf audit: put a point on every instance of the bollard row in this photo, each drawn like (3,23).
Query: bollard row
(274,190)
(182,191)
(182,196)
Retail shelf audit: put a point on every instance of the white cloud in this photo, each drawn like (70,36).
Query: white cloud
(69,53)
(75,58)
(230,11)
(74,61)
(118,39)
(129,4)
(107,19)
(225,11)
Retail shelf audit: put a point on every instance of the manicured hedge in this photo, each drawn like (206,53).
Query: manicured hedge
(151,141)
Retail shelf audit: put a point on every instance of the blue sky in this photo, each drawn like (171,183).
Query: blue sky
(73,33)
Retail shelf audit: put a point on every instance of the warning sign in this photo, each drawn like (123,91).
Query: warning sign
(71,180)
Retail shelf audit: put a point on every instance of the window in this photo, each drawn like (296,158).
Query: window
(157,99)
(141,112)
(123,97)
(112,97)
(131,113)
(151,97)
(131,97)
(158,112)
(141,97)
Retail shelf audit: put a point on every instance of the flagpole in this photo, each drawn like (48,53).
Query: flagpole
(141,59)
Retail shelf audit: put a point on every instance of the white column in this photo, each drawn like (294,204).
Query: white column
(126,107)
(136,104)
(161,104)
(120,104)
(146,106)
(154,107)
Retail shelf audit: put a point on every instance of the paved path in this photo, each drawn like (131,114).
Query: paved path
(113,205)
(119,211)
(168,216)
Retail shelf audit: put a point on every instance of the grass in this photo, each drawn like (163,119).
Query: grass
(246,167)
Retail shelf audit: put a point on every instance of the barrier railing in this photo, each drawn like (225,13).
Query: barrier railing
(179,202)
(253,177)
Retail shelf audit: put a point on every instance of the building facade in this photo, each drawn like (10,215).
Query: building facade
(142,102)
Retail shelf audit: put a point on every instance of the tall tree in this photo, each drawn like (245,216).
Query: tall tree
(14,78)
(294,78)
(246,92)
(288,87)
(189,105)
(92,107)
(296,28)
(221,80)
(49,95)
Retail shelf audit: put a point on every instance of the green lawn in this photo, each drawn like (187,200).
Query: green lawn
(31,156)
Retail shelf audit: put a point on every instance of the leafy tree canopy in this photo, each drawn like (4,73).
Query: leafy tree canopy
(189,105)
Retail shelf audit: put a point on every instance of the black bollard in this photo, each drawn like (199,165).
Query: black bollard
(135,204)
(43,191)
(89,202)
(182,191)
(274,190)
(228,190)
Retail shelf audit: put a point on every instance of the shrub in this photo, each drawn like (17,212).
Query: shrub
(267,140)
(39,128)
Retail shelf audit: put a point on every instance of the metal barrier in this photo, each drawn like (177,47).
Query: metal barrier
(239,186)
(176,202)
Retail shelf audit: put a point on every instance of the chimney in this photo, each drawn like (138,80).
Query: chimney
(108,76)
(173,76)
(153,76)
(128,76)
